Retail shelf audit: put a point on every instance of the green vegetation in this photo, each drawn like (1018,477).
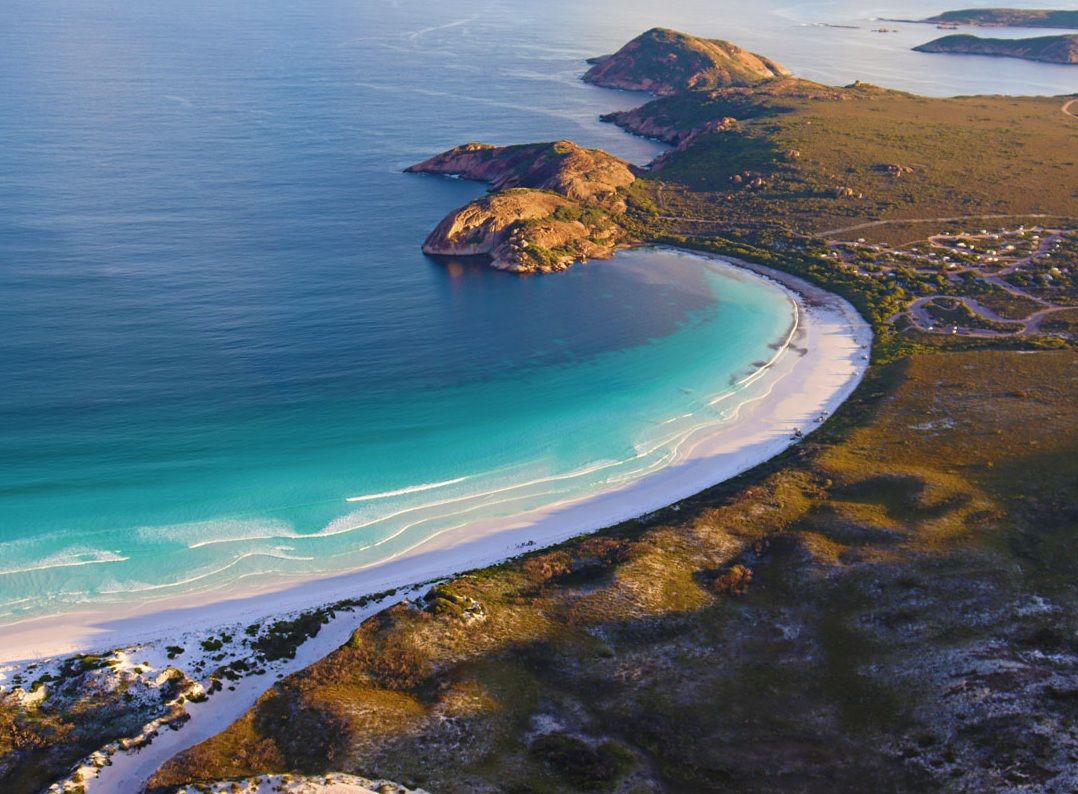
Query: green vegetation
(582,766)
(901,156)
(948,312)
(282,637)
(1006,304)
(1063,323)
(581,213)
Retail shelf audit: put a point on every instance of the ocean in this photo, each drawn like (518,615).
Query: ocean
(223,357)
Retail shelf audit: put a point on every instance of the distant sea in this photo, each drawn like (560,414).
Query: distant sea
(222,354)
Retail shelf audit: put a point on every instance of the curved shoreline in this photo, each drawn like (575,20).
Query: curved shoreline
(828,363)
(835,340)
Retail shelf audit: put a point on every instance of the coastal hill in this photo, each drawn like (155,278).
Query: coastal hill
(1007,18)
(1048,49)
(667,62)
(783,157)
(553,204)
(587,175)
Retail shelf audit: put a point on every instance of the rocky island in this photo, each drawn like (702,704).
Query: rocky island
(1006,18)
(1047,49)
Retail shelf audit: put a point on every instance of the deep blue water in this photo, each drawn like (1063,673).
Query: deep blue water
(216,323)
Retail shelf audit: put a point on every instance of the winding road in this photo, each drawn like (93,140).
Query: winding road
(923,321)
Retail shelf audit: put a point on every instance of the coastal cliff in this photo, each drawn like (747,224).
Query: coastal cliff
(587,175)
(667,62)
(527,231)
(1047,49)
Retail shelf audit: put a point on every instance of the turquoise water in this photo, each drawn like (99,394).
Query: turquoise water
(217,327)
(149,497)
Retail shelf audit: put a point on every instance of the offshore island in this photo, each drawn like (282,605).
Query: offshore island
(887,604)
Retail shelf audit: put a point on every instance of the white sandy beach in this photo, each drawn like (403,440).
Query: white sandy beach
(802,387)
(825,360)
(836,341)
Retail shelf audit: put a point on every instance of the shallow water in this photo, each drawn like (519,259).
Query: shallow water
(217,326)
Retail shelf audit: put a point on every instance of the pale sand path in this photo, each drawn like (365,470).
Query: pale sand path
(835,340)
(129,771)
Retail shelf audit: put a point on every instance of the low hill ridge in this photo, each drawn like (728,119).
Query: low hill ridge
(1007,18)
(1047,49)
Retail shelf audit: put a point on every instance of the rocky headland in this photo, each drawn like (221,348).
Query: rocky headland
(666,62)
(527,231)
(1047,49)
(553,204)
(586,175)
